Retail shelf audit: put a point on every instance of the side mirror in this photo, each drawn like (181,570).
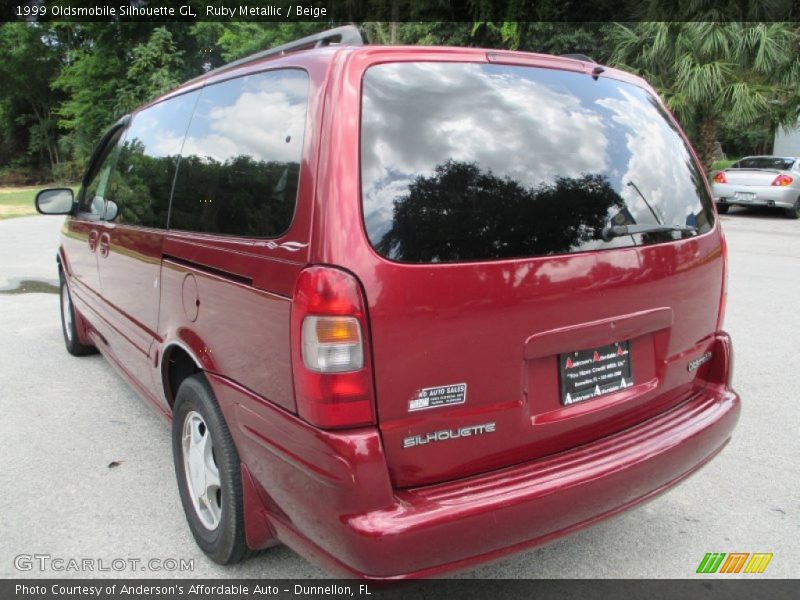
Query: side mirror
(112,210)
(55,201)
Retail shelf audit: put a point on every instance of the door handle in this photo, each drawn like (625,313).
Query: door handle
(104,244)
(93,235)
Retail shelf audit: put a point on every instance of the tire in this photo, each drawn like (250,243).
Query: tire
(723,208)
(794,212)
(217,520)
(69,322)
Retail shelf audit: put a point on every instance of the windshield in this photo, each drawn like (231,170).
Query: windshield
(467,161)
(764,162)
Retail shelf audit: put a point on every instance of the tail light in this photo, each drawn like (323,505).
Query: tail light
(782,180)
(720,177)
(330,353)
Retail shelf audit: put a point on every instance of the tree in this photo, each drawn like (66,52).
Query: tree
(153,70)
(30,62)
(93,74)
(710,72)
(503,217)
(241,38)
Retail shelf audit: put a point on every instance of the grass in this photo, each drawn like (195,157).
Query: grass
(18,201)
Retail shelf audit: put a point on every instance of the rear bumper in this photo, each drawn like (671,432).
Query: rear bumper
(341,510)
(782,197)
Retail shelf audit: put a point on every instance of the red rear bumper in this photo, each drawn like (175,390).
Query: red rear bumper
(329,495)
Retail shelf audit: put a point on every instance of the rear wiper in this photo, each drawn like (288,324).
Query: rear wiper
(620,230)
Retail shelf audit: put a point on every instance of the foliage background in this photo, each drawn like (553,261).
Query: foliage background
(63,83)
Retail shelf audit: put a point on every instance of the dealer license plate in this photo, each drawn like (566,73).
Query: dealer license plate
(744,196)
(595,372)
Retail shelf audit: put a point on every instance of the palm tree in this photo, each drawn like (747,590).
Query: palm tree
(709,71)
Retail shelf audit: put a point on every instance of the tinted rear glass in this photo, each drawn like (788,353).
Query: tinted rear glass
(464,161)
(765,162)
(240,163)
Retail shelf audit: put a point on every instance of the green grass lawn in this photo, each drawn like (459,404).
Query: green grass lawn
(18,201)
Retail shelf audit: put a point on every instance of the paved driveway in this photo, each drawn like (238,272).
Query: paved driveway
(64,420)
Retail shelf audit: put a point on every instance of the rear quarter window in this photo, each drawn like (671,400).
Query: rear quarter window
(467,161)
(240,164)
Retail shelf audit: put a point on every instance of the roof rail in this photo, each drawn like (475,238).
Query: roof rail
(580,57)
(347,35)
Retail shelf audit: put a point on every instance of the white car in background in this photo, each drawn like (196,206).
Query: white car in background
(772,181)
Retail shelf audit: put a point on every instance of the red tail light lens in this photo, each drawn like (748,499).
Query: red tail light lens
(330,351)
(782,180)
(720,177)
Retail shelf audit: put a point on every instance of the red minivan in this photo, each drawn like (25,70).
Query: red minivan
(408,309)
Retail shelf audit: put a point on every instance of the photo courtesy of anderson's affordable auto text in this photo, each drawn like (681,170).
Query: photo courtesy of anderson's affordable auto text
(302,302)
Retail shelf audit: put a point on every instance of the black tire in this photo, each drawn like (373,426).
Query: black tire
(69,322)
(225,544)
(723,208)
(794,212)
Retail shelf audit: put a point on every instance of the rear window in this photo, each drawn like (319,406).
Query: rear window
(765,162)
(464,161)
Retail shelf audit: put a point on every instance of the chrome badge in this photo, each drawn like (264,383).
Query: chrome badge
(695,364)
(448,434)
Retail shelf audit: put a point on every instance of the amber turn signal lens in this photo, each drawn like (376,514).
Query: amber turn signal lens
(334,330)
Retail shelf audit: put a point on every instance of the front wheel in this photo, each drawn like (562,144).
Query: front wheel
(208,471)
(69,324)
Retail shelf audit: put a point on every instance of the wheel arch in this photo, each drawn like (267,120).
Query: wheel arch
(177,363)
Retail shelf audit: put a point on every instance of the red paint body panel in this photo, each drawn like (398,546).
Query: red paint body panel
(356,500)
(251,343)
(442,324)
(129,264)
(339,507)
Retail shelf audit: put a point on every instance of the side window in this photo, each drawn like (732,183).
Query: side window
(141,183)
(93,200)
(240,163)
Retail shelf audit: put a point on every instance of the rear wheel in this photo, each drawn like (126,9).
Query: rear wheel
(723,208)
(69,323)
(794,212)
(208,471)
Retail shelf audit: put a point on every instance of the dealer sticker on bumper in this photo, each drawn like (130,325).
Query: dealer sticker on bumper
(435,397)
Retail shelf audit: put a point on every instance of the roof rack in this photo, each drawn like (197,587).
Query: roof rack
(580,57)
(347,35)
